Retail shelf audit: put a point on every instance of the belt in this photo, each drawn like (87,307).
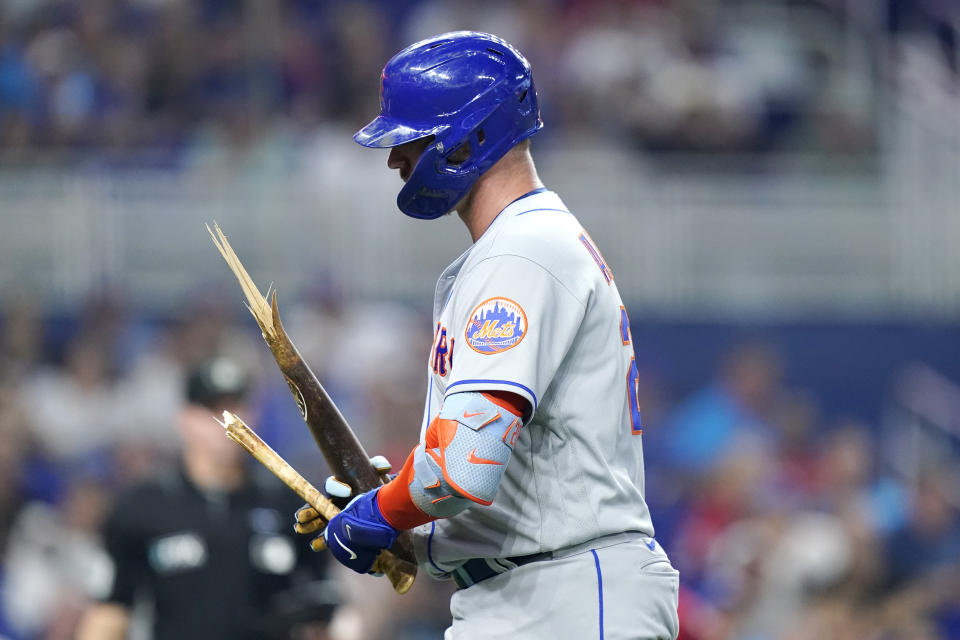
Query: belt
(479,569)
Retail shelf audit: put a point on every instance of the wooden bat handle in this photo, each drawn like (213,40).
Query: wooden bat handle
(240,433)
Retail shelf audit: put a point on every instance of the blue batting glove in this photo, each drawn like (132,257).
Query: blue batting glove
(308,520)
(357,534)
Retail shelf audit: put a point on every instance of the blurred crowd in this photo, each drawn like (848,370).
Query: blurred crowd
(785,523)
(174,82)
(89,406)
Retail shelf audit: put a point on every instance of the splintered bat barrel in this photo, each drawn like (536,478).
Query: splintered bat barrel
(240,433)
(344,454)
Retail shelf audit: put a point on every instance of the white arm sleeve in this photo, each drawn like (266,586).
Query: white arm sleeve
(475,438)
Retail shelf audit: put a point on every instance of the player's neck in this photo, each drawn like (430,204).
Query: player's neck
(510,178)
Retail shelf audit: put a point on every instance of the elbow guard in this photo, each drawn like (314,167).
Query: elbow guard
(464,455)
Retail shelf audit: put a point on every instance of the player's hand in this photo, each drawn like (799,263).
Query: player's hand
(308,520)
(357,534)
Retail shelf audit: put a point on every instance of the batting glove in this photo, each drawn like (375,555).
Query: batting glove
(357,534)
(308,520)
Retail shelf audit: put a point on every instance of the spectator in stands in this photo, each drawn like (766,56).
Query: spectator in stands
(727,415)
(54,561)
(930,538)
(215,85)
(74,410)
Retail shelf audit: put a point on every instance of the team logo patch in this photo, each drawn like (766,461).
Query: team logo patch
(496,325)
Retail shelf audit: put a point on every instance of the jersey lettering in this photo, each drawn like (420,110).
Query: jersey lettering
(625,336)
(633,376)
(597,257)
(441,356)
(633,391)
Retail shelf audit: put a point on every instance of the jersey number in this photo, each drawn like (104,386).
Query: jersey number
(633,376)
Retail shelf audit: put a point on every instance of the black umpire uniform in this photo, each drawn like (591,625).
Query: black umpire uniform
(216,564)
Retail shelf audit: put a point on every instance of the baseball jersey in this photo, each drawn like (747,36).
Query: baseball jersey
(532,308)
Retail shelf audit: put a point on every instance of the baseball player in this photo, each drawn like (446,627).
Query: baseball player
(527,485)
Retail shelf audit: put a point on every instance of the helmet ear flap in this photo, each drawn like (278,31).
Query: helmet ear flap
(425,195)
(465,151)
(459,156)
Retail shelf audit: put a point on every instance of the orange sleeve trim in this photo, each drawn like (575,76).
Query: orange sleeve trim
(515,404)
(396,505)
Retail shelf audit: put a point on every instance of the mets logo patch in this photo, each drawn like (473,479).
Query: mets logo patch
(496,325)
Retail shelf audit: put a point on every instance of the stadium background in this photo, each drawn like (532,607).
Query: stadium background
(775,182)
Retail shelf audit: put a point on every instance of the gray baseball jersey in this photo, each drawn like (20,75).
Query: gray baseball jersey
(532,308)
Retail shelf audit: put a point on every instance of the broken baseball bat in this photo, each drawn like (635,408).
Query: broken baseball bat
(239,432)
(339,445)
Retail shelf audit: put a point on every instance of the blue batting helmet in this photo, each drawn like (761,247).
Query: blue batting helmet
(463,88)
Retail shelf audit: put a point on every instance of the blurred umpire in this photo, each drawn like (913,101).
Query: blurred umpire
(208,544)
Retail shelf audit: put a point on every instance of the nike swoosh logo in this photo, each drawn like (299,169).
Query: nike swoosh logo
(472,415)
(652,544)
(353,556)
(472,458)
